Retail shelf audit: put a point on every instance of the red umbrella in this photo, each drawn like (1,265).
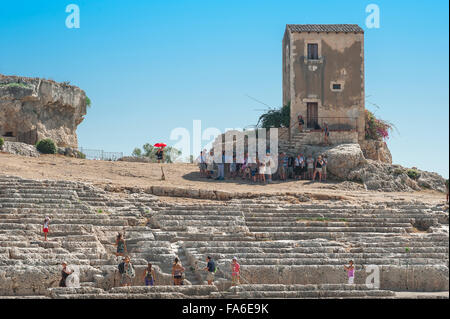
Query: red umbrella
(162,145)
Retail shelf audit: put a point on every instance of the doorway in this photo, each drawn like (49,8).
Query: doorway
(312,115)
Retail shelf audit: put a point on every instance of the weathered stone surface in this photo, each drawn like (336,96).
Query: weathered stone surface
(431,180)
(18,148)
(376,175)
(344,158)
(376,150)
(33,109)
(297,248)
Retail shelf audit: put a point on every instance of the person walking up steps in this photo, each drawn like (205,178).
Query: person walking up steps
(177,272)
(64,274)
(350,272)
(235,272)
(211,269)
(45,227)
(149,275)
(127,270)
(121,246)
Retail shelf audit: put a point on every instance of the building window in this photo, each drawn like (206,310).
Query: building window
(337,86)
(313,51)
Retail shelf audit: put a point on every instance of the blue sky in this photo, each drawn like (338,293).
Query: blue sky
(152,66)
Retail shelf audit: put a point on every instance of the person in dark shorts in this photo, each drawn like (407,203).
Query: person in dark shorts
(64,274)
(160,155)
(326,131)
(211,269)
(177,272)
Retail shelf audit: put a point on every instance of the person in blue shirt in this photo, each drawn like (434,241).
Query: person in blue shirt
(211,269)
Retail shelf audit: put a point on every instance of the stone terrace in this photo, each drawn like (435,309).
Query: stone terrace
(285,250)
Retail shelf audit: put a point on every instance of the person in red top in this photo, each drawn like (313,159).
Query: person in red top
(235,272)
(45,227)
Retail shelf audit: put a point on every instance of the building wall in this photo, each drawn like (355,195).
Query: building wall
(341,60)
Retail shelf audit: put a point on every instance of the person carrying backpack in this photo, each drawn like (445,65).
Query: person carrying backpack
(127,271)
(211,269)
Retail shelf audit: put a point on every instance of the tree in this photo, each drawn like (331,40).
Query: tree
(276,118)
(137,152)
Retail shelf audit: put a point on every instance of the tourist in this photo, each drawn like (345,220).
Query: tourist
(310,166)
(301,122)
(235,272)
(221,168)
(121,246)
(211,269)
(283,166)
(160,155)
(64,274)
(149,275)
(233,168)
(253,166)
(268,163)
(128,272)
(318,168)
(298,166)
(201,160)
(245,169)
(290,167)
(350,272)
(261,171)
(324,167)
(177,272)
(239,163)
(210,164)
(326,133)
(45,227)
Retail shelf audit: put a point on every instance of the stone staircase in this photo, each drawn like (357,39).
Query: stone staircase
(285,250)
(291,147)
(309,244)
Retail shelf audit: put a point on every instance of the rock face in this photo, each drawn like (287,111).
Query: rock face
(376,150)
(32,109)
(18,148)
(344,158)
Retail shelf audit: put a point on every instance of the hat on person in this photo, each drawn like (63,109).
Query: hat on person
(64,262)
(234,258)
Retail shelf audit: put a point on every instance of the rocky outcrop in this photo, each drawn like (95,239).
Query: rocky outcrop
(21,149)
(380,176)
(32,109)
(376,150)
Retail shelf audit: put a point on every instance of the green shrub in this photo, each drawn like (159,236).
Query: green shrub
(46,146)
(398,171)
(2,142)
(15,85)
(413,173)
(276,117)
(88,102)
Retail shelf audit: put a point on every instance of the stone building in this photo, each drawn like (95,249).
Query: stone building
(323,78)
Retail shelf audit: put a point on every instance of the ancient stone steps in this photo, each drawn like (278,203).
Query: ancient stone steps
(307,291)
(138,292)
